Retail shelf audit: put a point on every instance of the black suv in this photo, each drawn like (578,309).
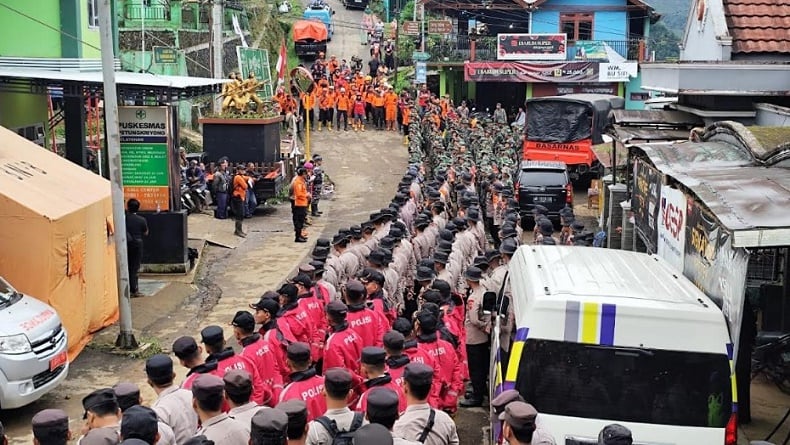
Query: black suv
(543,183)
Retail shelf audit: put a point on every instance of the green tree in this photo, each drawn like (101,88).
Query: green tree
(664,42)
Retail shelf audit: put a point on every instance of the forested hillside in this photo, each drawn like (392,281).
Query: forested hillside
(665,34)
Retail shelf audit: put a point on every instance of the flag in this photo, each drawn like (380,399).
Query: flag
(282,62)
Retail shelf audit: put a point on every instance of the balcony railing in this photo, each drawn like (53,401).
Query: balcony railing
(153,13)
(54,64)
(459,49)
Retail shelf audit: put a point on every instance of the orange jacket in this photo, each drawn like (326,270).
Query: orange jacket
(327,100)
(240,186)
(370,97)
(308,100)
(406,114)
(343,102)
(378,100)
(391,100)
(300,192)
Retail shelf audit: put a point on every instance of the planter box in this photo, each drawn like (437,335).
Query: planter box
(242,140)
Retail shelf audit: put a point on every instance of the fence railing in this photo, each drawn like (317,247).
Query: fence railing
(150,13)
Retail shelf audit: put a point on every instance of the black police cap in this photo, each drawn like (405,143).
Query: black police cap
(244,321)
(185,347)
(212,335)
(394,340)
(104,397)
(382,402)
(159,368)
(298,352)
(373,355)
(418,374)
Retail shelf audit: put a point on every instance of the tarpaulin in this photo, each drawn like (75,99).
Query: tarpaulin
(530,72)
(570,118)
(55,244)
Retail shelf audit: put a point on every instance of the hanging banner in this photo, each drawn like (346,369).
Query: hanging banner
(568,72)
(672,226)
(144,156)
(531,46)
(645,202)
(714,266)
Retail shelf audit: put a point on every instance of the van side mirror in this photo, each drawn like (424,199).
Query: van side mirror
(489,302)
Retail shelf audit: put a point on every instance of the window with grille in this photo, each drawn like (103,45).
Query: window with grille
(577,26)
(93,13)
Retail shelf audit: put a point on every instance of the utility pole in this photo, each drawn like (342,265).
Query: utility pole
(397,34)
(217,15)
(422,26)
(125,338)
(142,32)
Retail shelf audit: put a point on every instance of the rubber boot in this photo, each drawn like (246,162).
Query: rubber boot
(328,127)
(238,231)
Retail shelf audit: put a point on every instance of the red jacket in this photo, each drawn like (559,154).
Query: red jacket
(295,323)
(275,338)
(308,387)
(314,308)
(228,360)
(258,351)
(343,349)
(422,355)
(367,323)
(449,369)
(384,381)
(396,366)
(205,368)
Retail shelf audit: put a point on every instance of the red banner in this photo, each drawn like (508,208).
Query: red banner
(567,72)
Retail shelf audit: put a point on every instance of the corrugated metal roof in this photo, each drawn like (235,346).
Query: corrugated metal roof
(121,78)
(655,117)
(724,178)
(758,26)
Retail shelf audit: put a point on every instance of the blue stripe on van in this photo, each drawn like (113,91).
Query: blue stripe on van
(608,316)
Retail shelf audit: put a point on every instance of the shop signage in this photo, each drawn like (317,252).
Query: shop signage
(531,46)
(645,202)
(568,72)
(672,226)
(165,56)
(617,72)
(440,27)
(145,165)
(714,266)
(411,28)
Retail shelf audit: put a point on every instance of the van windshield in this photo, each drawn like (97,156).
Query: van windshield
(543,178)
(626,384)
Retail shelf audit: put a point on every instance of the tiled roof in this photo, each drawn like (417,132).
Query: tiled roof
(759,26)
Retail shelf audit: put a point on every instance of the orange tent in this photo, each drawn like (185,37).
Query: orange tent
(56,244)
(309,30)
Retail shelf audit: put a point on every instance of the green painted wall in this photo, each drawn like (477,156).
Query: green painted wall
(90,35)
(23,37)
(22,110)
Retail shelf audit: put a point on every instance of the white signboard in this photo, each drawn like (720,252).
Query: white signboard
(672,227)
(617,71)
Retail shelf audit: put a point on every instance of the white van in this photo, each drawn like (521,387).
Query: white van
(608,336)
(33,348)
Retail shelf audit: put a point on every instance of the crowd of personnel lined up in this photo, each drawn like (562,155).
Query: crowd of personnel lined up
(378,339)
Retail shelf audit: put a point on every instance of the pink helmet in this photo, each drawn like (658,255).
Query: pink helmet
(308,165)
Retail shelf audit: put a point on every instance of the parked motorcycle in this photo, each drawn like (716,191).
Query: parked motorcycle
(187,200)
(356,63)
(771,358)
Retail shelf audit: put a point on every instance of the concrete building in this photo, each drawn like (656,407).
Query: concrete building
(734,63)
(510,50)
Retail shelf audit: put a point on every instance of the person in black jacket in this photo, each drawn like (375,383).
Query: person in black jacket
(136,229)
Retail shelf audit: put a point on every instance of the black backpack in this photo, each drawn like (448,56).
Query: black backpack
(341,437)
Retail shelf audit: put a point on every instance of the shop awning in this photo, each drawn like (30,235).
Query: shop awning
(159,86)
